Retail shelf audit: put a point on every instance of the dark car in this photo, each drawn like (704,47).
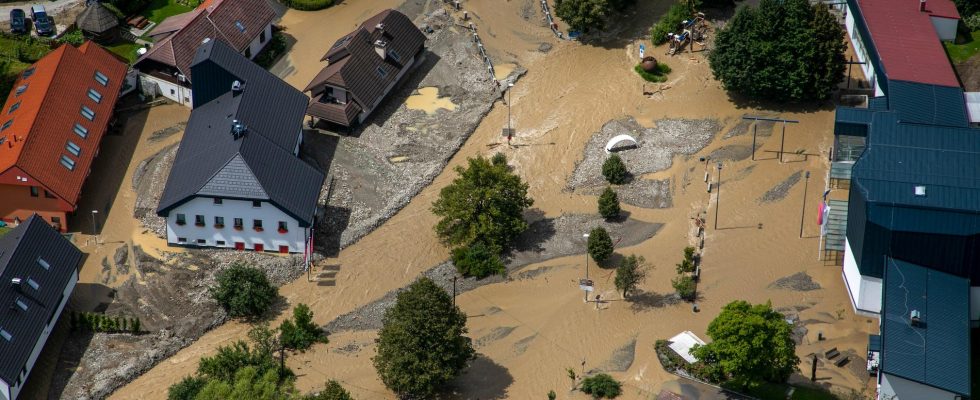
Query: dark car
(41,21)
(18,23)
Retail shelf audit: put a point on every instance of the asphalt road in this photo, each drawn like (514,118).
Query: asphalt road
(52,7)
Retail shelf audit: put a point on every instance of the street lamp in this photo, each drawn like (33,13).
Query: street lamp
(806,183)
(95,227)
(718,196)
(510,130)
(586,236)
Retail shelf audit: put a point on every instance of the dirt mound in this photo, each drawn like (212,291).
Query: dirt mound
(149,180)
(800,282)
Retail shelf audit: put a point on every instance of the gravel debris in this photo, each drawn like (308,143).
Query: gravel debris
(800,282)
(731,153)
(762,128)
(167,132)
(781,189)
(646,193)
(521,345)
(494,335)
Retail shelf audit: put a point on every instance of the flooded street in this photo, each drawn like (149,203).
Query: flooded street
(529,329)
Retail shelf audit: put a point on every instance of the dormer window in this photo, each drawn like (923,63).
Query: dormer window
(381,72)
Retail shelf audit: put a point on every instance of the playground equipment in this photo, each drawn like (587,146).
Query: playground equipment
(695,30)
(698,27)
(677,42)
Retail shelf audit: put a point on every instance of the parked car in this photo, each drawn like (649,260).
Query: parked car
(18,23)
(41,21)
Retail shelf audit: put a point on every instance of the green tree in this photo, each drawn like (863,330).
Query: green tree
(477,260)
(583,15)
(249,383)
(421,345)
(136,325)
(485,203)
(300,333)
(782,50)
(614,170)
(609,204)
(601,386)
(751,343)
(244,291)
(552,395)
(685,287)
(333,391)
(186,389)
(629,274)
(498,159)
(600,245)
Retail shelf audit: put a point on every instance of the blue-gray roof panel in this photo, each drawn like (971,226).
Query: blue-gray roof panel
(920,103)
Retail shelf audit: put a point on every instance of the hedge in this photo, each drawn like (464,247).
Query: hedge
(308,5)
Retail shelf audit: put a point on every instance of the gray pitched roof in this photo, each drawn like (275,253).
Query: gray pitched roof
(20,250)
(258,165)
(936,352)
(96,18)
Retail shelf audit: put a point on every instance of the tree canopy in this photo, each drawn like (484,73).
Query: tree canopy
(477,260)
(782,50)
(600,245)
(609,204)
(300,332)
(614,170)
(629,274)
(601,386)
(583,15)
(484,204)
(244,291)
(333,391)
(751,344)
(421,345)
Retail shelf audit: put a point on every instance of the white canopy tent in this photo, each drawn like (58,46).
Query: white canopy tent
(682,344)
(619,139)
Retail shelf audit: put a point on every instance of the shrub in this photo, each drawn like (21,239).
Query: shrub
(669,23)
(601,386)
(478,261)
(629,274)
(308,5)
(73,38)
(609,204)
(583,15)
(685,287)
(186,389)
(614,170)
(600,244)
(498,159)
(333,391)
(272,51)
(552,395)
(244,291)
(657,76)
(300,333)
(973,22)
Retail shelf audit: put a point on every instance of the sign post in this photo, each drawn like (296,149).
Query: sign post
(642,50)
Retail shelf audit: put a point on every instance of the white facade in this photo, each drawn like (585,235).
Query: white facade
(862,53)
(945,27)
(864,291)
(259,42)
(12,391)
(247,238)
(891,387)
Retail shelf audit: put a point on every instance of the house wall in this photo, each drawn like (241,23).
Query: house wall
(398,79)
(43,338)
(257,45)
(16,200)
(270,215)
(945,27)
(857,41)
(172,91)
(891,387)
(864,291)
(975,306)
(339,93)
(4,390)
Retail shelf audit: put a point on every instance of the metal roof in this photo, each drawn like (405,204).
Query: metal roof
(212,162)
(927,104)
(20,251)
(935,352)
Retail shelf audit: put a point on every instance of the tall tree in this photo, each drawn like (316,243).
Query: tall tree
(333,391)
(782,50)
(484,204)
(609,204)
(244,291)
(421,345)
(599,245)
(250,383)
(583,15)
(629,274)
(751,343)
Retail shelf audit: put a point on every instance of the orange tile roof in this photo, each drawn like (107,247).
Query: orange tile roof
(49,107)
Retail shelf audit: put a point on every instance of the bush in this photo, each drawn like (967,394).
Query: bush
(333,391)
(600,244)
(477,261)
(583,15)
(669,23)
(300,333)
(685,287)
(73,38)
(186,389)
(272,51)
(244,291)
(601,386)
(973,22)
(308,5)
(614,170)
(657,76)
(609,204)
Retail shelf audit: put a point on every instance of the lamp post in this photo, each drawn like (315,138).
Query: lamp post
(586,236)
(806,184)
(510,130)
(718,196)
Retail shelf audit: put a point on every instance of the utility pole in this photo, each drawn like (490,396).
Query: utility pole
(806,183)
(586,236)
(718,196)
(510,130)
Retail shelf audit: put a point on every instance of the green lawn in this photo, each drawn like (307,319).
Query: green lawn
(125,50)
(159,10)
(961,52)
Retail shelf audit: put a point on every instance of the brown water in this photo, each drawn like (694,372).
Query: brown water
(428,100)
(567,94)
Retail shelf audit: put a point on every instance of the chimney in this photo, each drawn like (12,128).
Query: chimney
(15,283)
(237,87)
(379,47)
(922,5)
(237,129)
(380,27)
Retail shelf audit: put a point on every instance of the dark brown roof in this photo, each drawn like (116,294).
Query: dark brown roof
(234,22)
(355,65)
(343,114)
(96,18)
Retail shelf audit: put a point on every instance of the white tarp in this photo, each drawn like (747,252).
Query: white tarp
(683,343)
(616,140)
(973,106)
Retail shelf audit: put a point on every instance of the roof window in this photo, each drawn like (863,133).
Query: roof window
(67,162)
(28,72)
(21,89)
(43,264)
(241,28)
(6,335)
(73,148)
(6,124)
(14,107)
(101,78)
(33,283)
(920,191)
(95,96)
(21,304)
(80,130)
(381,72)
(88,113)
(394,55)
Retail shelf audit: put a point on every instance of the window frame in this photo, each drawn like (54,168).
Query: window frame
(283,227)
(35,191)
(199,220)
(80,130)
(67,162)
(88,113)
(101,78)
(180,219)
(238,223)
(73,148)
(219,222)
(257,225)
(95,95)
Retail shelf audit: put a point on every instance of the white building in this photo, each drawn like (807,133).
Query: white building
(39,270)
(237,181)
(245,25)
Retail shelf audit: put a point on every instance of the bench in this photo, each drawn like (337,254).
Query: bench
(138,22)
(832,353)
(841,362)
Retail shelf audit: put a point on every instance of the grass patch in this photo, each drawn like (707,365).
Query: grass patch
(658,75)
(16,54)
(962,52)
(126,50)
(159,10)
(4,230)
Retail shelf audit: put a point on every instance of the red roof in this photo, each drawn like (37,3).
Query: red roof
(55,89)
(907,43)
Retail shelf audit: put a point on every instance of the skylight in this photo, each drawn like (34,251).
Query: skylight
(394,55)
(42,263)
(381,72)
(75,150)
(14,107)
(6,124)
(80,130)
(88,113)
(67,162)
(32,283)
(28,72)
(6,335)
(21,304)
(238,24)
(21,89)
(94,95)
(101,78)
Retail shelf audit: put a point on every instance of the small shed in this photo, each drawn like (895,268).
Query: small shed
(97,22)
(682,344)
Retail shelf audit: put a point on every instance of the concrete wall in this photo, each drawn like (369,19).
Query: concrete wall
(270,215)
(891,387)
(945,27)
(15,390)
(172,91)
(864,291)
(257,45)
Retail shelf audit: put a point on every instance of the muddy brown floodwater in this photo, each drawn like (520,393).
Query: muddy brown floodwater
(530,330)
